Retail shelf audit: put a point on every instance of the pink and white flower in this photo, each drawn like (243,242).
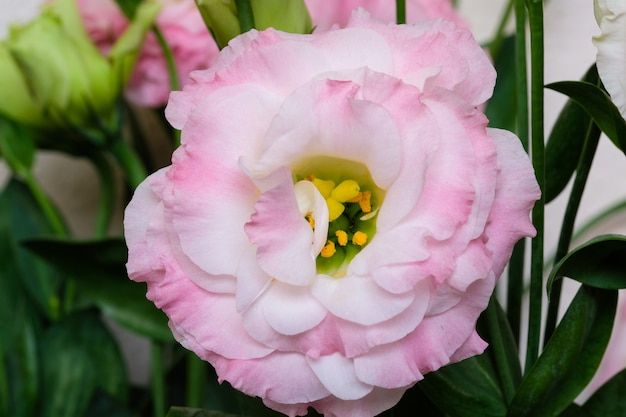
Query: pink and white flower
(611,45)
(192,46)
(288,143)
(326,14)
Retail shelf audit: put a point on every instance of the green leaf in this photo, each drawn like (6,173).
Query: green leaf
(97,268)
(501,109)
(493,326)
(600,263)
(598,105)
(469,388)
(570,358)
(79,355)
(196,412)
(609,399)
(574,410)
(565,143)
(21,218)
(104,405)
(17,146)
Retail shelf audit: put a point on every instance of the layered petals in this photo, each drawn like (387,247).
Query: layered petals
(303,290)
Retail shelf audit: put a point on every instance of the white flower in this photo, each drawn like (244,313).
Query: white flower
(611,44)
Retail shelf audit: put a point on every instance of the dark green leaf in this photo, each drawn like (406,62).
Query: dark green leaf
(493,326)
(565,143)
(600,263)
(196,412)
(570,358)
(79,355)
(469,388)
(501,109)
(104,405)
(129,7)
(17,146)
(598,104)
(609,399)
(574,410)
(21,218)
(97,268)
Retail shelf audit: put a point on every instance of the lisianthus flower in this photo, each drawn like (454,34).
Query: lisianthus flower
(329,13)
(182,27)
(337,215)
(611,45)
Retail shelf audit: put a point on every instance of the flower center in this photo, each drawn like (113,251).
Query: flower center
(353,200)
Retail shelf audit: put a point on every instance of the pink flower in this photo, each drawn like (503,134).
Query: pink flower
(328,13)
(374,125)
(182,26)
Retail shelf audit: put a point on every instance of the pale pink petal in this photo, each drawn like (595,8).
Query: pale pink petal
(291,310)
(284,239)
(516,193)
(358,299)
(374,403)
(337,374)
(282,377)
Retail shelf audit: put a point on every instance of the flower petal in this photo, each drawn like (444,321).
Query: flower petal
(337,374)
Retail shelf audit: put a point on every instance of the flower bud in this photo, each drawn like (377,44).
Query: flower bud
(56,77)
(221,17)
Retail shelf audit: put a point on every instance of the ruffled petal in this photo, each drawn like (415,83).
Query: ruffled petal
(337,374)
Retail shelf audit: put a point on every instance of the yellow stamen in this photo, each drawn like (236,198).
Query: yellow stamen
(345,191)
(310,177)
(310,219)
(335,209)
(325,187)
(364,199)
(342,237)
(328,250)
(359,238)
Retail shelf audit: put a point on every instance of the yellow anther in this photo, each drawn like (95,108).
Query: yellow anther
(342,237)
(364,199)
(365,202)
(359,238)
(328,250)
(335,209)
(345,191)
(311,220)
(325,187)
(310,177)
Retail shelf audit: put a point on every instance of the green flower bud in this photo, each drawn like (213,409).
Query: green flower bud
(221,17)
(54,76)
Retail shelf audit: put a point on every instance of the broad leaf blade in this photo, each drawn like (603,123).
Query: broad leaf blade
(598,105)
(21,218)
(609,399)
(78,356)
(97,268)
(501,109)
(468,388)
(600,263)
(565,143)
(570,358)
(196,412)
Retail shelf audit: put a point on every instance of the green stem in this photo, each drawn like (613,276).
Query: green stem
(171,70)
(496,42)
(245,15)
(158,379)
(535,14)
(516,266)
(48,209)
(569,218)
(129,161)
(107,195)
(400,12)
(499,351)
(196,368)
